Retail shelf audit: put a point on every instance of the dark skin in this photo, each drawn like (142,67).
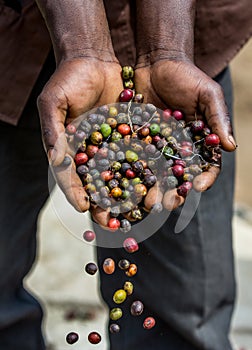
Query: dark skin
(86,78)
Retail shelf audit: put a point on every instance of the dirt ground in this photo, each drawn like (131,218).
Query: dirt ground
(241,68)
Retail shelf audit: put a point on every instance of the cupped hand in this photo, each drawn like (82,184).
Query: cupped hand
(181,85)
(77,86)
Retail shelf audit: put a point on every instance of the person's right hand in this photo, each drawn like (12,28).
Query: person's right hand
(77,86)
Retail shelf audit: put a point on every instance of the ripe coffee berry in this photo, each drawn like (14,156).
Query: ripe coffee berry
(212,140)
(126,95)
(130,245)
(178,170)
(113,224)
(80,158)
(94,338)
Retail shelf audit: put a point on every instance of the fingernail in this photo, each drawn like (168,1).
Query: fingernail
(232,140)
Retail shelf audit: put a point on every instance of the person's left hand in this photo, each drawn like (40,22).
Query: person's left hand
(181,85)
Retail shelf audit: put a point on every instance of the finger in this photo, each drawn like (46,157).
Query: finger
(206,179)
(52,117)
(154,196)
(100,216)
(71,185)
(172,200)
(212,104)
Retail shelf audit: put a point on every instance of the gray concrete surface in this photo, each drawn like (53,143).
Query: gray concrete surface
(70,296)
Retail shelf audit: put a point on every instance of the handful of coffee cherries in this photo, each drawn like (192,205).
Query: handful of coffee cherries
(122,150)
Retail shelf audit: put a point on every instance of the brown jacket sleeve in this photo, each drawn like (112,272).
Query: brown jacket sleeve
(24,46)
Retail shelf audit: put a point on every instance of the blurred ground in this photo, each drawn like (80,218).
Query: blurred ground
(241,69)
(70,296)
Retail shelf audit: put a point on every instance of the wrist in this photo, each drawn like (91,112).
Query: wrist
(168,33)
(71,46)
(160,54)
(78,29)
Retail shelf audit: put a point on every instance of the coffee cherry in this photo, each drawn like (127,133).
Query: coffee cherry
(178,170)
(167,113)
(212,140)
(114,328)
(136,308)
(119,296)
(125,225)
(127,72)
(131,271)
(126,95)
(172,182)
(197,126)
(112,111)
(128,84)
(105,130)
(108,266)
(154,129)
(96,138)
(94,338)
(107,175)
(70,129)
(80,158)
(138,98)
(91,150)
(128,287)
(116,192)
(178,115)
(130,174)
(113,224)
(91,268)
(112,122)
(72,338)
(149,323)
(89,236)
(130,245)
(131,156)
(115,314)
(184,188)
(123,264)
(140,189)
(124,129)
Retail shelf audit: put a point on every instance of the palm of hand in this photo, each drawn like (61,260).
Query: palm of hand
(76,87)
(181,85)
